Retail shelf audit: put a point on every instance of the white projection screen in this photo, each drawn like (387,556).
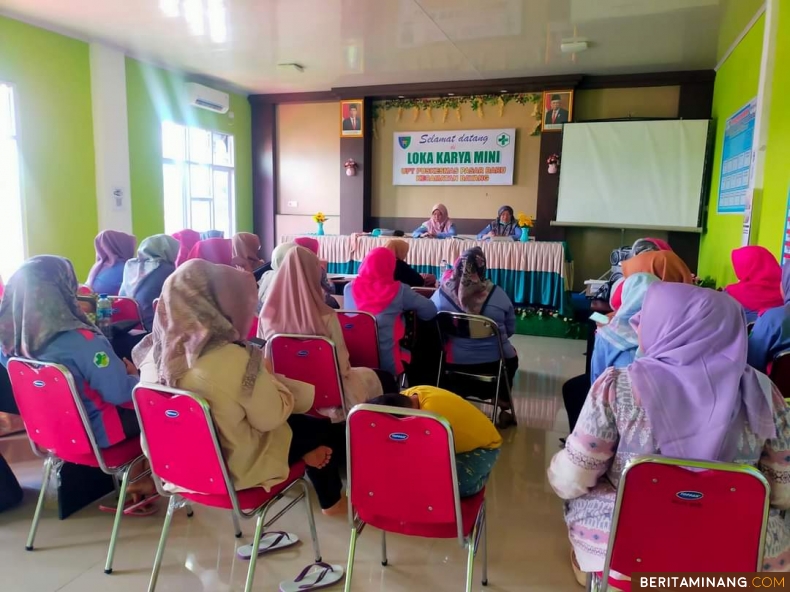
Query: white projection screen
(633,173)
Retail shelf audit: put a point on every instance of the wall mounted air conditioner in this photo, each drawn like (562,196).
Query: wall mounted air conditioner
(208,98)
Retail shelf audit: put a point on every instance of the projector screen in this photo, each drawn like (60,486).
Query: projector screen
(633,173)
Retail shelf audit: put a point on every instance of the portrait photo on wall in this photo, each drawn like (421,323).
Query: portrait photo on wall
(351,116)
(557,109)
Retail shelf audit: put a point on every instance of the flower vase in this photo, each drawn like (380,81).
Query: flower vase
(320,229)
(524,234)
(553,169)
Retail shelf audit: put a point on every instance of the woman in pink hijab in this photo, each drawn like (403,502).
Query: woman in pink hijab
(438,225)
(313,245)
(113,250)
(246,248)
(214,250)
(186,239)
(759,281)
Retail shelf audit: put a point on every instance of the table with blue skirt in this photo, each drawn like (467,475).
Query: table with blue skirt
(532,273)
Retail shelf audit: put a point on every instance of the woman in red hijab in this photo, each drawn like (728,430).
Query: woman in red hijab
(759,281)
(186,240)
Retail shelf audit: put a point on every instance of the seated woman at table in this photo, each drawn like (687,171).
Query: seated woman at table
(690,395)
(375,291)
(438,225)
(295,304)
(144,276)
(213,250)
(470,291)
(759,281)
(770,335)
(186,240)
(246,248)
(504,225)
(113,250)
(197,345)
(404,272)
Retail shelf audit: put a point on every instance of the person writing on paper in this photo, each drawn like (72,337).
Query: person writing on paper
(505,225)
(556,114)
(438,226)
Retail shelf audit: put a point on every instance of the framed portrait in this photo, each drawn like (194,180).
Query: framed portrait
(351,117)
(557,109)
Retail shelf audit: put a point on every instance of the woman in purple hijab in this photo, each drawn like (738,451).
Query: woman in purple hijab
(688,394)
(113,249)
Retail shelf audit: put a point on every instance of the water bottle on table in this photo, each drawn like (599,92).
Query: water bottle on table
(104,315)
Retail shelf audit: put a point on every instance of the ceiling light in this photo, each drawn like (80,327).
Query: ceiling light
(169,8)
(503,91)
(217,21)
(450,94)
(193,13)
(574,45)
(401,97)
(290,67)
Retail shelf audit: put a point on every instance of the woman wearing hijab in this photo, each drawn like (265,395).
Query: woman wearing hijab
(404,272)
(113,249)
(196,344)
(689,395)
(212,234)
(504,225)
(770,335)
(186,240)
(213,250)
(295,304)
(313,245)
(245,248)
(144,276)
(438,225)
(665,265)
(759,281)
(278,254)
(470,291)
(376,291)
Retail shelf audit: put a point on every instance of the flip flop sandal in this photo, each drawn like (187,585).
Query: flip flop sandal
(270,541)
(145,507)
(313,577)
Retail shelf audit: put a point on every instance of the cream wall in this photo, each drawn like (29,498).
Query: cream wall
(478,201)
(307,161)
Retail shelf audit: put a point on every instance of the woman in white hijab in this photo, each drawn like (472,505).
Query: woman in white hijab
(278,254)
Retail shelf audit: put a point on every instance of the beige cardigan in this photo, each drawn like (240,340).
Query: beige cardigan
(253,432)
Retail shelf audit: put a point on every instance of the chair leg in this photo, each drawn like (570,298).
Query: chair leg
(236,525)
(311,521)
(384,560)
(496,394)
(470,560)
(352,550)
(190,512)
(256,541)
(117,523)
(485,547)
(48,463)
(160,550)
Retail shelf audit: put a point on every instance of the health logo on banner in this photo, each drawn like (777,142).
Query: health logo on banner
(468,157)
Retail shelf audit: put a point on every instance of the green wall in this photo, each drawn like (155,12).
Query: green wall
(155,95)
(736,84)
(51,76)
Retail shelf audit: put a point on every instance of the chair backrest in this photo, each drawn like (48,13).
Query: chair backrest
(311,359)
(780,373)
(253,332)
(51,408)
(181,440)
(361,334)
(671,516)
(460,325)
(125,309)
(423,291)
(401,468)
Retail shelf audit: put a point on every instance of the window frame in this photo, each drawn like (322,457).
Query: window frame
(16,136)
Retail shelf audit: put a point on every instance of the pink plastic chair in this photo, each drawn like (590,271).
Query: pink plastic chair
(169,418)
(668,518)
(313,360)
(361,334)
(125,309)
(59,430)
(402,479)
(253,332)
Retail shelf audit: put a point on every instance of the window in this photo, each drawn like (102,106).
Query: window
(198,179)
(12,239)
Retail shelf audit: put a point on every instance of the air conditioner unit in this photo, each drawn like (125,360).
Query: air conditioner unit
(208,98)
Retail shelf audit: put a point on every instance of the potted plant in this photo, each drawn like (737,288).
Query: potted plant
(554,163)
(525,223)
(319,219)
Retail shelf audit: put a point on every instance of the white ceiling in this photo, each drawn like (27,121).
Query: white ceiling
(365,42)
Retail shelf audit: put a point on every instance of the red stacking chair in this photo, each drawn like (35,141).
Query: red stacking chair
(313,360)
(184,450)
(59,430)
(402,479)
(780,373)
(125,309)
(671,516)
(361,334)
(253,332)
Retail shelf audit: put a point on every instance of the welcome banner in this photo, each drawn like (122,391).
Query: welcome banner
(467,157)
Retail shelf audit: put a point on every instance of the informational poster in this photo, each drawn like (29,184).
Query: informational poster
(467,157)
(737,160)
(786,235)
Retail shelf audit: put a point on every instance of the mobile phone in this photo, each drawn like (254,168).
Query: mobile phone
(599,318)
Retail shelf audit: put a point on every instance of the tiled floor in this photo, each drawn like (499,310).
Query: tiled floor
(528,548)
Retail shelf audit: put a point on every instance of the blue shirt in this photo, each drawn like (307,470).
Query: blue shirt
(149,289)
(406,299)
(515,232)
(606,355)
(499,309)
(108,280)
(100,377)
(770,337)
(422,230)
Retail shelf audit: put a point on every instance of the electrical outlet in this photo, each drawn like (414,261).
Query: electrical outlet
(292,204)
